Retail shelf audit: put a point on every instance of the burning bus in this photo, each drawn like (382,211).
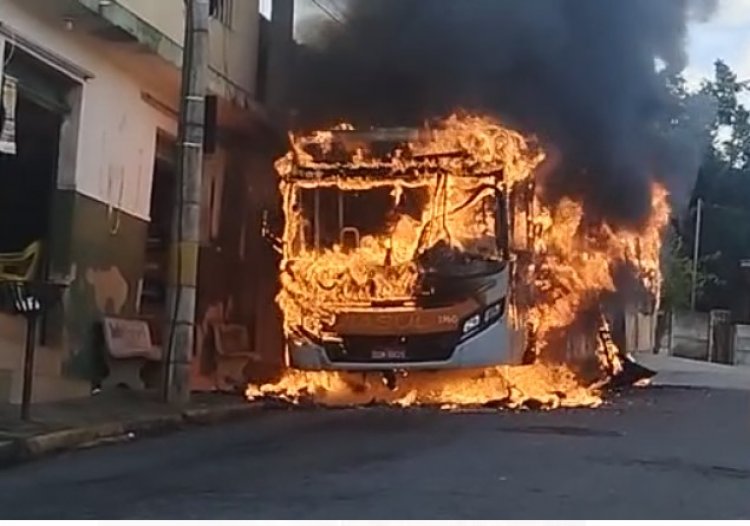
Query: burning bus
(434,249)
(403,249)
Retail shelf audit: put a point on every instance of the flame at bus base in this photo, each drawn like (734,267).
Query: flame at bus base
(463,190)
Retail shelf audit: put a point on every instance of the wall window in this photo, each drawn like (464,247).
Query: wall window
(222,10)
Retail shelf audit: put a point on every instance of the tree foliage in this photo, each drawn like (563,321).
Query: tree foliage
(724,187)
(679,273)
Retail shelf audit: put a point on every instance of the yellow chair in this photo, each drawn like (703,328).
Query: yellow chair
(20,266)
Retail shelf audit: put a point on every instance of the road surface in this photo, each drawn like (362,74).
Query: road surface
(655,453)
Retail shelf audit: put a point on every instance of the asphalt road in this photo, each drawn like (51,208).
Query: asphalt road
(657,453)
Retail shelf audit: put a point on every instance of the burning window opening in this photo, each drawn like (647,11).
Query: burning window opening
(431,250)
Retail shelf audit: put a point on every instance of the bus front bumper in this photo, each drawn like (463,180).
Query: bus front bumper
(491,347)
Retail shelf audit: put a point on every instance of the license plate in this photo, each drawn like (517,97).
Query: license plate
(389,354)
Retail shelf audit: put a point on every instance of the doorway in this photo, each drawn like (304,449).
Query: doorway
(153,301)
(28,179)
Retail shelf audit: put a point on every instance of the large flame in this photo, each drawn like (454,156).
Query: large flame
(314,280)
(565,266)
(576,263)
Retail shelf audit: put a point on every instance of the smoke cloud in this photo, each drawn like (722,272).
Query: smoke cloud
(581,75)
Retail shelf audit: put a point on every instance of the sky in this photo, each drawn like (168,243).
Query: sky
(725,36)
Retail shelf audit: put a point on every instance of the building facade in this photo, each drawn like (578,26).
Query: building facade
(94,87)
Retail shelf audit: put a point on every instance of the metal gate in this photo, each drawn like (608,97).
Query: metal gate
(720,337)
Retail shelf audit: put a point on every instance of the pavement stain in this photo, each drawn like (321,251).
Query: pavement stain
(673,464)
(571,431)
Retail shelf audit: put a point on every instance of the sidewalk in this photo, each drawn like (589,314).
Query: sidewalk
(681,372)
(106,417)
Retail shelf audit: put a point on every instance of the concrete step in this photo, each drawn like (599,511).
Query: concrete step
(47,361)
(47,389)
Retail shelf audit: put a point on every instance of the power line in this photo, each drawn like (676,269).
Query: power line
(336,8)
(342,9)
(329,11)
(733,209)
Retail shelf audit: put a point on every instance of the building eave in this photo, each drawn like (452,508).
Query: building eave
(130,26)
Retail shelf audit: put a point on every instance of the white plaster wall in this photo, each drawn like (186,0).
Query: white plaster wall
(168,16)
(118,143)
(117,132)
(233,50)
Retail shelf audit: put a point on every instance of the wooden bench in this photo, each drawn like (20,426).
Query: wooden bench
(129,348)
(233,352)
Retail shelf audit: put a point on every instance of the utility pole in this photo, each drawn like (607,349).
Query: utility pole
(696,254)
(183,266)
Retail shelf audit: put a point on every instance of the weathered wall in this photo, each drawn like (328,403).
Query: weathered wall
(689,336)
(116,127)
(100,250)
(101,253)
(100,207)
(102,204)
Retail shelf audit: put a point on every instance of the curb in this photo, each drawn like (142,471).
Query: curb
(66,439)
(18,450)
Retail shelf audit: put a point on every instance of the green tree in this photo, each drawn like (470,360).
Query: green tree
(678,275)
(724,186)
(732,116)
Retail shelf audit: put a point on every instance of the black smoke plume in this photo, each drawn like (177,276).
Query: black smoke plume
(581,75)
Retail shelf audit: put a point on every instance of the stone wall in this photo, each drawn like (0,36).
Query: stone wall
(689,335)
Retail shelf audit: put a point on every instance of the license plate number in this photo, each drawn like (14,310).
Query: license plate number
(389,354)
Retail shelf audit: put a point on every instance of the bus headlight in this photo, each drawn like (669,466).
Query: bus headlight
(472,324)
(494,312)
